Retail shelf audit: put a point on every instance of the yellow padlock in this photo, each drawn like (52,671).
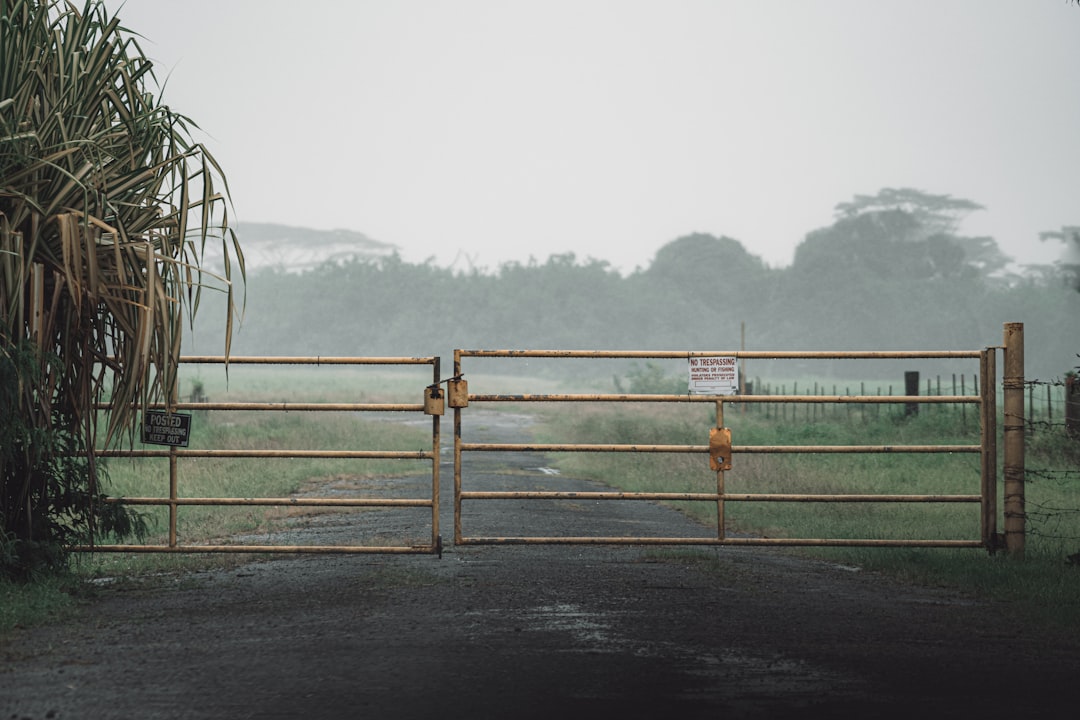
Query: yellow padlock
(720,449)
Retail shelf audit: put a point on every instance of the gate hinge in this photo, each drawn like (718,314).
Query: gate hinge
(720,449)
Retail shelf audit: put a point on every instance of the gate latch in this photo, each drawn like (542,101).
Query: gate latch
(457,392)
(433,400)
(720,449)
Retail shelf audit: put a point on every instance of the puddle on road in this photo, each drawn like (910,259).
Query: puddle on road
(728,672)
(585,627)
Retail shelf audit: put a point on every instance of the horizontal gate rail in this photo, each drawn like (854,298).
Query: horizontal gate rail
(332,454)
(291,501)
(712,497)
(750,354)
(744,541)
(850,449)
(986,449)
(286,406)
(801,399)
(304,360)
(173,501)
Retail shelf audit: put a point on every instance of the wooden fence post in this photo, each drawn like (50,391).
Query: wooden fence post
(911,387)
(1072,406)
(1012,381)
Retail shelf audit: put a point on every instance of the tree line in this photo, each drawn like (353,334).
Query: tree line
(890,273)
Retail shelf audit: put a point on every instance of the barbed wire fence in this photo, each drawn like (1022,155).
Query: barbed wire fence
(1052,473)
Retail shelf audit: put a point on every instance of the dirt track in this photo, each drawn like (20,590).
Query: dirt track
(531,632)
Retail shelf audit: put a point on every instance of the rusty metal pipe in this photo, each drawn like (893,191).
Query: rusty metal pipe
(751,354)
(285,549)
(761,449)
(274,502)
(776,542)
(818,399)
(712,497)
(330,454)
(295,360)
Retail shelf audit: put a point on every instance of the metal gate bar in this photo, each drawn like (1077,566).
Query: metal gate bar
(460,398)
(174,502)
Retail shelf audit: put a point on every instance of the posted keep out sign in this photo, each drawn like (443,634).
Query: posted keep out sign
(162,428)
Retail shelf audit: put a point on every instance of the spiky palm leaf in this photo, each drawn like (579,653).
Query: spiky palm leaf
(107,209)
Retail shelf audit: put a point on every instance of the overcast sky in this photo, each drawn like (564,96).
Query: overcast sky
(480,131)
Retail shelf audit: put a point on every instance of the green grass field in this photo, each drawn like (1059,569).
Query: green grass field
(802,473)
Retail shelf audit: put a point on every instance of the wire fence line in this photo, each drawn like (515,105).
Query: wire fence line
(1053,405)
(956,384)
(1049,403)
(1056,523)
(1051,420)
(1052,506)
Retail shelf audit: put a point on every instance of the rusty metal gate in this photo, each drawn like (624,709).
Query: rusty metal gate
(721,451)
(174,499)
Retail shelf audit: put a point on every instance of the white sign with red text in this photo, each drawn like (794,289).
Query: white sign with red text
(714,375)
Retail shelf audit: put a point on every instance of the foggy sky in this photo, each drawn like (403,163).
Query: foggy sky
(479,131)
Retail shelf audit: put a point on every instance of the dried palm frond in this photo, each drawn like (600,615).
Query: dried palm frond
(107,209)
(103,186)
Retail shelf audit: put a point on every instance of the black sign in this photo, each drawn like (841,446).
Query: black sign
(162,428)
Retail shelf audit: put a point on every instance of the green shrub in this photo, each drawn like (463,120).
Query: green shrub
(651,380)
(49,496)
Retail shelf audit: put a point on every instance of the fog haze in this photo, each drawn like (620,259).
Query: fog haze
(476,132)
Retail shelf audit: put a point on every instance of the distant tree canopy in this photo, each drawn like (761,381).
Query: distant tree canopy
(934,213)
(904,232)
(877,278)
(704,256)
(1070,236)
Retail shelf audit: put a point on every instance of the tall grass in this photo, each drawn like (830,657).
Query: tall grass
(47,599)
(307,383)
(802,473)
(262,477)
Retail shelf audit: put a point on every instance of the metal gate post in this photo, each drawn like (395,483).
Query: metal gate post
(988,428)
(1012,380)
(436,448)
(721,531)
(457,454)
(174,506)
(174,482)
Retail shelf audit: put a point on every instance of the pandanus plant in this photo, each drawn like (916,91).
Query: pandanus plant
(109,215)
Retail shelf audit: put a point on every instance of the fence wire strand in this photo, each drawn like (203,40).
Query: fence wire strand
(1052,412)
